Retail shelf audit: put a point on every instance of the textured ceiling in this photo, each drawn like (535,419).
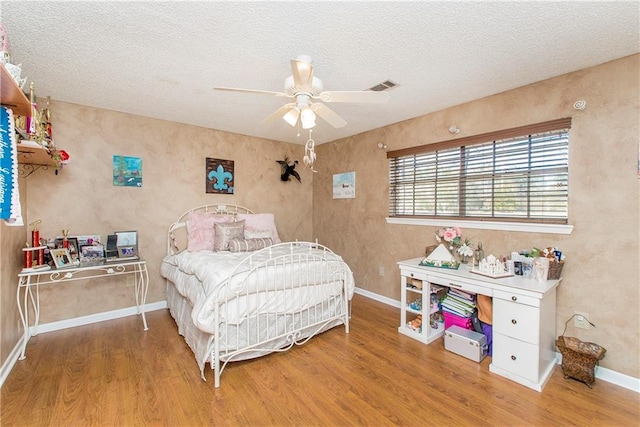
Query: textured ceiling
(162,59)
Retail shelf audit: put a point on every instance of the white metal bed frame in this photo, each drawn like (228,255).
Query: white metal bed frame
(255,281)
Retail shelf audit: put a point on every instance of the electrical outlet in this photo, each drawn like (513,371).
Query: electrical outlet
(381,270)
(580,320)
(131,281)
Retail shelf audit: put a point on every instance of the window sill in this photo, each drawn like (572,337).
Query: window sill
(488,225)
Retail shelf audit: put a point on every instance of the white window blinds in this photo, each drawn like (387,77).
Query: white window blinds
(520,174)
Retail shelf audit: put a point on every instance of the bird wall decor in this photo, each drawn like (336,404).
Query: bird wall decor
(288,170)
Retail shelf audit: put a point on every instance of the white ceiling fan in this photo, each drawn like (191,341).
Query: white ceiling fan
(304,88)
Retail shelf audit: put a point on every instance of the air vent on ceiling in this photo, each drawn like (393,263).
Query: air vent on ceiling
(385,85)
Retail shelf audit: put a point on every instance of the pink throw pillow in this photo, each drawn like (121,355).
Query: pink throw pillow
(201,230)
(261,221)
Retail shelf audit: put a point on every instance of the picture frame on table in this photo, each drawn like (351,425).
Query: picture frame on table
(127,244)
(127,252)
(74,248)
(91,252)
(61,257)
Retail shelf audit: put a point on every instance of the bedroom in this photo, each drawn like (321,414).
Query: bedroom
(604,197)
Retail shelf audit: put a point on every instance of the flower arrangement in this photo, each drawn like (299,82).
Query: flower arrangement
(466,249)
(450,236)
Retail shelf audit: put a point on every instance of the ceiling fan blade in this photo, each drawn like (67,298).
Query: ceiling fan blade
(357,96)
(329,115)
(302,71)
(280,112)
(259,92)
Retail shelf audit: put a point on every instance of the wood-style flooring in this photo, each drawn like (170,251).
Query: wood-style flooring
(115,374)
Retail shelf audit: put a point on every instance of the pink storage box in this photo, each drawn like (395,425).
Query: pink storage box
(453,320)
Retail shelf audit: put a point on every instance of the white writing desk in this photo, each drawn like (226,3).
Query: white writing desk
(524,317)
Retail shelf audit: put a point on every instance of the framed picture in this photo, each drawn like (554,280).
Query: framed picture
(61,257)
(74,248)
(126,238)
(219,176)
(89,239)
(127,171)
(127,252)
(91,252)
(127,244)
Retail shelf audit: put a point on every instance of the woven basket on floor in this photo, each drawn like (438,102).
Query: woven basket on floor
(579,359)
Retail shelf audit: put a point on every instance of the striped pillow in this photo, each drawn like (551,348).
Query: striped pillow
(249,245)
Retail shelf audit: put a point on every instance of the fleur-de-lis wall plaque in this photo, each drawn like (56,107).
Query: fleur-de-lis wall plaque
(220,176)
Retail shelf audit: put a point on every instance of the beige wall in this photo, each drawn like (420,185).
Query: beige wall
(601,276)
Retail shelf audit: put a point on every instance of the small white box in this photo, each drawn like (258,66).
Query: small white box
(466,343)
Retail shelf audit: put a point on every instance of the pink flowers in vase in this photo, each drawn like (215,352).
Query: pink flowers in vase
(450,236)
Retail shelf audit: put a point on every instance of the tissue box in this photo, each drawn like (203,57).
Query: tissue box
(466,343)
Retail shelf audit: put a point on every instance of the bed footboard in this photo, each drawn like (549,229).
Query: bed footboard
(276,298)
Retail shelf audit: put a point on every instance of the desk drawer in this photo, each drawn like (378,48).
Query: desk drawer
(517,357)
(520,299)
(462,284)
(516,320)
(418,275)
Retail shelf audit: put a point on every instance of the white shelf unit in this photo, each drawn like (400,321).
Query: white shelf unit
(414,289)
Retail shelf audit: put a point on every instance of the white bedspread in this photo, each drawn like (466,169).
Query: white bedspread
(202,277)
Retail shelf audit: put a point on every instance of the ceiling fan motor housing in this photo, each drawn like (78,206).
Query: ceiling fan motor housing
(291,89)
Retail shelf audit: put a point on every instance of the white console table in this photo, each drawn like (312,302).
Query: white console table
(524,317)
(29,283)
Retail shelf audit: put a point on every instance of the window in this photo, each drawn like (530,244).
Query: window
(519,174)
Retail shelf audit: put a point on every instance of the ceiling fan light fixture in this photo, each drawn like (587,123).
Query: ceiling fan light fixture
(292,116)
(308,118)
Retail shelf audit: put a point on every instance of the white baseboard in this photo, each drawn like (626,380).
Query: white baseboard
(377,297)
(603,374)
(8,365)
(95,318)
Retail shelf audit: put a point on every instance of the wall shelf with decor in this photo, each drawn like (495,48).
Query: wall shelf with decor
(11,95)
(31,155)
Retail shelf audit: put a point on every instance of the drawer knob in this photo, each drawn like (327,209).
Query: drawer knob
(513,357)
(514,298)
(514,321)
(411,274)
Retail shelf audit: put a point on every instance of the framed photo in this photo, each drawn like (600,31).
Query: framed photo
(91,252)
(61,258)
(127,252)
(88,239)
(74,248)
(126,238)
(127,244)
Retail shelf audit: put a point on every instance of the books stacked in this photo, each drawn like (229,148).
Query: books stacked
(457,308)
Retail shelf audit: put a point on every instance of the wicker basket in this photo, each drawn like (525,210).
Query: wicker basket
(555,270)
(579,358)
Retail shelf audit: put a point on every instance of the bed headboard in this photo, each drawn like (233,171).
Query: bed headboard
(177,234)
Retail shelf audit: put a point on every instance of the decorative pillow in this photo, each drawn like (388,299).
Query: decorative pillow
(201,231)
(249,245)
(225,232)
(257,234)
(262,221)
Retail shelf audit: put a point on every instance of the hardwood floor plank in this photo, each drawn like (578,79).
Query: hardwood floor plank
(113,374)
